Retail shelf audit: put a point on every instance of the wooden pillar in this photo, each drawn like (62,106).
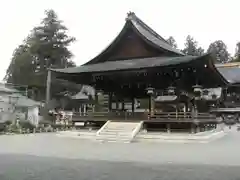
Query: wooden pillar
(80,110)
(133,103)
(117,103)
(110,101)
(48,87)
(96,101)
(123,105)
(84,109)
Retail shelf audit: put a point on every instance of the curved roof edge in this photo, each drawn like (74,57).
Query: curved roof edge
(211,61)
(150,34)
(147,33)
(131,64)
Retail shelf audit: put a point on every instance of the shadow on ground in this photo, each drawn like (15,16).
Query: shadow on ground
(26,167)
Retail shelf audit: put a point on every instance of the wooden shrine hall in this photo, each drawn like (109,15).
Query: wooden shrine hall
(139,63)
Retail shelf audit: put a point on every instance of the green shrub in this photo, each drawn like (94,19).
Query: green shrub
(26,125)
(2,127)
(44,123)
(8,122)
(13,128)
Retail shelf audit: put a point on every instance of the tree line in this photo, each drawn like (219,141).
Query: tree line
(47,47)
(218,49)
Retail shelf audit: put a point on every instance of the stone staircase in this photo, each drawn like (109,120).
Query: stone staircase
(114,131)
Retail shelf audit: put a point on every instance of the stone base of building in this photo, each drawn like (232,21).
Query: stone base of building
(202,137)
(144,136)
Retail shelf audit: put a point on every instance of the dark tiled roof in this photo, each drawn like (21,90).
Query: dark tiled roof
(231,74)
(147,34)
(129,64)
(150,34)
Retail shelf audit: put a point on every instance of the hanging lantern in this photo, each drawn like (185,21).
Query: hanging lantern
(171,90)
(197,89)
(150,91)
(99,92)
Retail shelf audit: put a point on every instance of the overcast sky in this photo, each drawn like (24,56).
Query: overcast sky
(95,23)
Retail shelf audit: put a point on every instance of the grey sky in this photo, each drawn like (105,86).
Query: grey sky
(95,23)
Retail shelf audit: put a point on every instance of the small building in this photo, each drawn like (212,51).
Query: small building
(14,105)
(29,108)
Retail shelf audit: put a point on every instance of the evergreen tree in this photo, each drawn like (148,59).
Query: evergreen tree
(218,49)
(45,47)
(236,57)
(191,47)
(172,42)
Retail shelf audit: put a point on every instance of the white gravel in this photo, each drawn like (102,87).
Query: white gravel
(224,151)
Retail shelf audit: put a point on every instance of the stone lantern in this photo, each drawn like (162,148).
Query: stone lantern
(150,92)
(171,90)
(197,89)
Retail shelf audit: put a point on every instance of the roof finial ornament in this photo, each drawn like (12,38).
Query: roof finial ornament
(130,15)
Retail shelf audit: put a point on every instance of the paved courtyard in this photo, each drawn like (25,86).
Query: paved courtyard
(47,156)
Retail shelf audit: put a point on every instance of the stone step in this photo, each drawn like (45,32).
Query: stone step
(113,139)
(115,134)
(117,130)
(122,124)
(121,128)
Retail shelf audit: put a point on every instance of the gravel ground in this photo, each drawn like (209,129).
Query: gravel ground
(46,156)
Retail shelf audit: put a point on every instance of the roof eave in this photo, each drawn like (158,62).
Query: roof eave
(211,62)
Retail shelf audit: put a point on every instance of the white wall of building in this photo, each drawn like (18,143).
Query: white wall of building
(33,115)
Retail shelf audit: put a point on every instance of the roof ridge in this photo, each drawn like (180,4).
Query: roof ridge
(132,16)
(155,37)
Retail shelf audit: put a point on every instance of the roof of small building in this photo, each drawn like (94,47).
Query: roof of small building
(230,73)
(24,101)
(5,89)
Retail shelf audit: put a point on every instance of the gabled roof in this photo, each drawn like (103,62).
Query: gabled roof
(145,32)
(150,34)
